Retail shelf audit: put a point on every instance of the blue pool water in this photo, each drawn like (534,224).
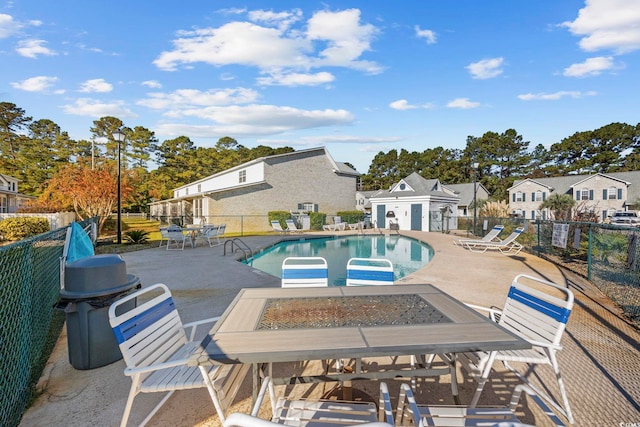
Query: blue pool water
(406,254)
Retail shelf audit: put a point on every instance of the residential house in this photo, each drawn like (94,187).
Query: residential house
(362,200)
(306,180)
(415,203)
(10,198)
(465,193)
(597,194)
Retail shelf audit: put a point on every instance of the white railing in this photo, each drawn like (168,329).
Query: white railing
(56,220)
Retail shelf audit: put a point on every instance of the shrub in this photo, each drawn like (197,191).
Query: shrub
(351,217)
(22,227)
(137,236)
(317,220)
(280,216)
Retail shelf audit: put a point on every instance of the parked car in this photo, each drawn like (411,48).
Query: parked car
(625,218)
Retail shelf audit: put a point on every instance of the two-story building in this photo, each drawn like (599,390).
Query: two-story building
(598,194)
(10,198)
(306,180)
(466,194)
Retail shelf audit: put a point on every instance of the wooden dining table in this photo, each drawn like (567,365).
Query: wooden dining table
(267,325)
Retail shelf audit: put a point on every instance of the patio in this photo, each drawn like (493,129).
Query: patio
(600,362)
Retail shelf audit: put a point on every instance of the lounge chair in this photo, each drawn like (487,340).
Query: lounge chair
(316,413)
(305,272)
(156,349)
(291,226)
(508,246)
(491,236)
(275,224)
(369,271)
(212,232)
(538,311)
(410,413)
(177,236)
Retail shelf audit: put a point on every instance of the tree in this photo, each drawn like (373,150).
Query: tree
(13,124)
(560,205)
(91,192)
(141,140)
(103,129)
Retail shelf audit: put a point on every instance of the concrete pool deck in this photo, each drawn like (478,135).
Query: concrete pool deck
(600,361)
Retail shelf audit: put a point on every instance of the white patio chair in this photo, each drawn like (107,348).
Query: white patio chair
(275,224)
(305,272)
(369,271)
(508,246)
(409,412)
(291,226)
(316,413)
(491,236)
(156,349)
(540,317)
(178,237)
(212,232)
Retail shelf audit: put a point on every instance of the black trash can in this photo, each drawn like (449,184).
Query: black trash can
(91,286)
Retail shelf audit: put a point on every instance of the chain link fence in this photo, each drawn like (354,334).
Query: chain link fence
(29,290)
(607,255)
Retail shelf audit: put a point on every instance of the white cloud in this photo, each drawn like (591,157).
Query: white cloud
(590,67)
(315,141)
(339,37)
(554,96)
(189,98)
(96,85)
(403,104)
(296,79)
(92,108)
(463,103)
(32,48)
(428,35)
(282,20)
(154,84)
(486,68)
(608,24)
(35,84)
(10,27)
(258,120)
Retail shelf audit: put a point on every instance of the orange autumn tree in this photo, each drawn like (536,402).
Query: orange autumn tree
(90,192)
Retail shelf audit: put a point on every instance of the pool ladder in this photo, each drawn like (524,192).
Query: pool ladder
(238,245)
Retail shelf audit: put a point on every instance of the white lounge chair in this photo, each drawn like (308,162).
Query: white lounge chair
(316,413)
(491,236)
(540,317)
(410,413)
(156,349)
(212,232)
(369,271)
(305,272)
(508,246)
(291,226)
(275,224)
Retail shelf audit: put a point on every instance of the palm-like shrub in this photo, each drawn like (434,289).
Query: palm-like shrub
(137,236)
(495,209)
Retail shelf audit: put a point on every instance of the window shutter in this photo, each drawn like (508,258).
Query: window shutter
(544,196)
(524,197)
(604,194)
(619,193)
(533,214)
(578,195)
(513,196)
(590,194)
(533,197)
(299,206)
(315,207)
(604,215)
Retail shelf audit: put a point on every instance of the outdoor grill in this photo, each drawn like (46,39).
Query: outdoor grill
(91,285)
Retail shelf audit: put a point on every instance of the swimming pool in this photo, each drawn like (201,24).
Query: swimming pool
(406,254)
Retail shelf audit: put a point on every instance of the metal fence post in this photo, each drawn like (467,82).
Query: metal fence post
(589,253)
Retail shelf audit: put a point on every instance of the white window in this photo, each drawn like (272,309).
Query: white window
(242,176)
(584,194)
(613,193)
(197,208)
(308,207)
(199,188)
(519,196)
(538,196)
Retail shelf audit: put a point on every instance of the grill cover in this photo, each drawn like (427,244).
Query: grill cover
(96,276)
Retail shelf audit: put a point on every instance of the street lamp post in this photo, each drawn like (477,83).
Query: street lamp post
(475,190)
(119,136)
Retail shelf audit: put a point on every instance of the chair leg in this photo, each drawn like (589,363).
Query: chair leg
(212,394)
(156,408)
(127,408)
(482,380)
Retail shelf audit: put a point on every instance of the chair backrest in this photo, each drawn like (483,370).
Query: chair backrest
(291,225)
(536,309)
(221,230)
(275,224)
(513,236)
(305,272)
(369,271)
(337,219)
(493,233)
(151,332)
(175,234)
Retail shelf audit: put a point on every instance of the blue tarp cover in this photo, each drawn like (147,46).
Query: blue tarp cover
(80,245)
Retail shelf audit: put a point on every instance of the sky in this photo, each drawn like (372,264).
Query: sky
(358,77)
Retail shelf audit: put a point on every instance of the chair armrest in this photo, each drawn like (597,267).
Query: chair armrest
(494,313)
(384,405)
(545,345)
(515,397)
(152,368)
(406,401)
(194,325)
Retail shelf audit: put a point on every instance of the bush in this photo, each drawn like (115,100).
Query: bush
(317,220)
(351,217)
(22,227)
(280,216)
(137,236)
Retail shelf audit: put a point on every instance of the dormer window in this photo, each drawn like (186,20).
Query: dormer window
(242,176)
